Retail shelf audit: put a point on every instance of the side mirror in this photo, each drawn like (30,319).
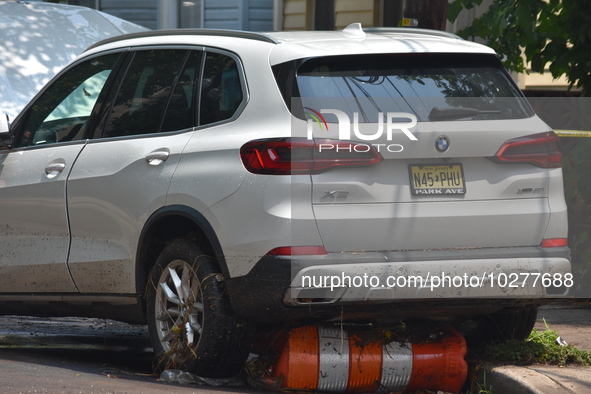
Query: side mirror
(6,140)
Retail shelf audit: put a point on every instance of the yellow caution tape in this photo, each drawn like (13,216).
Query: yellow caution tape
(573,133)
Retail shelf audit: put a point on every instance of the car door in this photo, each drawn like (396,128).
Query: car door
(48,137)
(123,175)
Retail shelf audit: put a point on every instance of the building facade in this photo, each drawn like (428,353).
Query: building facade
(255,15)
(269,15)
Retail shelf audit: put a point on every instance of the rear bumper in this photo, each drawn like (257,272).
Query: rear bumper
(408,283)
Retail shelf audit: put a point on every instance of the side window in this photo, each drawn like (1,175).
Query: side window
(142,99)
(180,113)
(221,93)
(60,114)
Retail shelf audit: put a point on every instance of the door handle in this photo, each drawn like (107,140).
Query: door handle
(158,156)
(53,169)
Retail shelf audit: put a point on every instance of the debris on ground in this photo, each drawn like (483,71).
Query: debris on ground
(183,377)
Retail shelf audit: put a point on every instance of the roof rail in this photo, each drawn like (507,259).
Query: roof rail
(196,32)
(410,30)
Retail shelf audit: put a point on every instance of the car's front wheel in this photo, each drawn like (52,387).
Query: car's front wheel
(190,321)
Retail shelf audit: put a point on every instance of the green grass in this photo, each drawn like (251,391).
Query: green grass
(540,347)
(481,388)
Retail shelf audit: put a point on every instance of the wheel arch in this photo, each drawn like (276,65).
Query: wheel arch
(166,224)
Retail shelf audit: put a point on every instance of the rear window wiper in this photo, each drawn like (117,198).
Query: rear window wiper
(450,113)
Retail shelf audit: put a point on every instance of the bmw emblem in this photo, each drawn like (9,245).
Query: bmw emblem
(442,143)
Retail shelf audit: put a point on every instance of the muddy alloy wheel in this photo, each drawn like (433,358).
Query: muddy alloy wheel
(191,323)
(179,306)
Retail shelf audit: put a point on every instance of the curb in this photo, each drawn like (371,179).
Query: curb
(523,380)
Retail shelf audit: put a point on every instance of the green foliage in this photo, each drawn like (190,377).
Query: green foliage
(540,347)
(555,36)
(552,34)
(455,7)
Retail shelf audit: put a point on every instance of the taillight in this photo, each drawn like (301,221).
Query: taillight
(297,251)
(285,156)
(538,149)
(554,242)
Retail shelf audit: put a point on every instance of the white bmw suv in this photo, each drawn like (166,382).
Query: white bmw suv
(208,182)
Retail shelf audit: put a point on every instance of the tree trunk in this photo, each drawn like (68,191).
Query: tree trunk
(431,14)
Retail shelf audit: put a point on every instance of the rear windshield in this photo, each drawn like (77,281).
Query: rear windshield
(433,87)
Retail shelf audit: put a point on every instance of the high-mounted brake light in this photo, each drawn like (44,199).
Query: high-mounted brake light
(538,149)
(286,156)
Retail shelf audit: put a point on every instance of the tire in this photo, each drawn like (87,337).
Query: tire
(502,326)
(191,324)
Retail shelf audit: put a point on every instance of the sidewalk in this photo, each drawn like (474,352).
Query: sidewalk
(536,379)
(573,324)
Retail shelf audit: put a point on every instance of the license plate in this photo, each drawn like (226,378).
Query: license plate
(436,179)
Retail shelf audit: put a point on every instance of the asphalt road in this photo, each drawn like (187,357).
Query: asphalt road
(71,355)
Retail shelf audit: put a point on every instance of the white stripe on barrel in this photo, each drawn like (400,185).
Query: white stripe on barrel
(334,359)
(396,367)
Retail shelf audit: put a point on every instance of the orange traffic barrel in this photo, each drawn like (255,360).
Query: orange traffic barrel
(330,360)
